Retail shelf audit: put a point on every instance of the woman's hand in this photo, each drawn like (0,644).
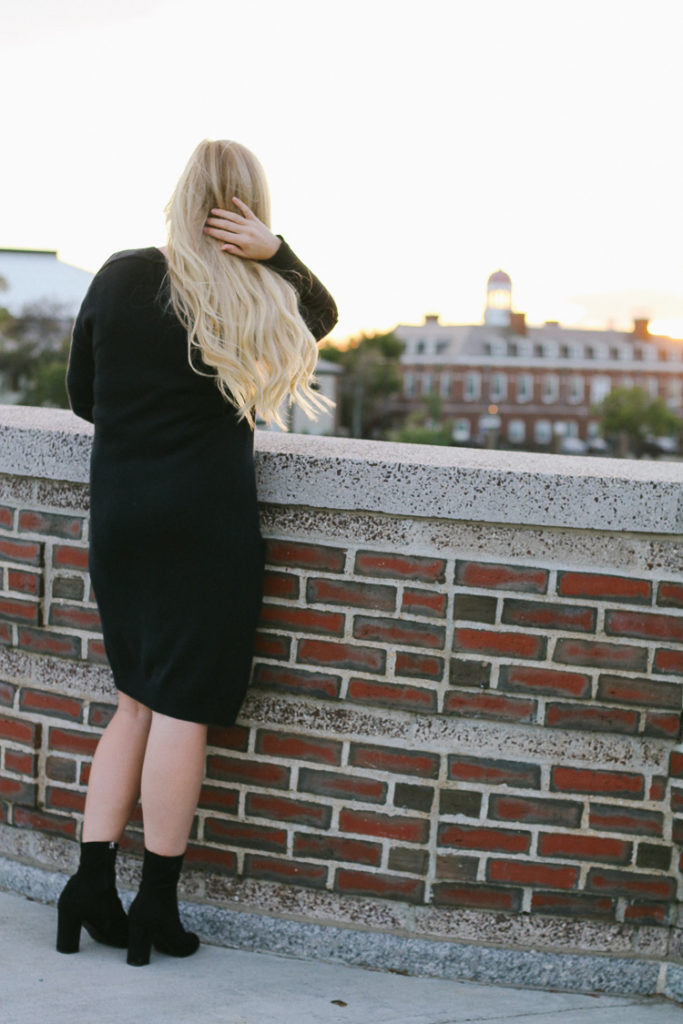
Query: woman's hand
(242,234)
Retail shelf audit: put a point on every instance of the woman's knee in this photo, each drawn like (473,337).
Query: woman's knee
(133,707)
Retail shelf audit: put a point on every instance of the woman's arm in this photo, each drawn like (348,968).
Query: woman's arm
(80,374)
(246,236)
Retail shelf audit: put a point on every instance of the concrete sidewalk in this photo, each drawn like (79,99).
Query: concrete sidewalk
(227,986)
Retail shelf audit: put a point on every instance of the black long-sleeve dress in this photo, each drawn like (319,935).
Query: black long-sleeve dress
(176,551)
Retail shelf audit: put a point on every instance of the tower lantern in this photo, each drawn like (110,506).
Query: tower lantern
(498,299)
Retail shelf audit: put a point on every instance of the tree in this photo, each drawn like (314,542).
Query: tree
(371,375)
(46,384)
(633,415)
(425,426)
(34,351)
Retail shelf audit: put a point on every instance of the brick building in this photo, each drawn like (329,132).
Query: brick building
(529,386)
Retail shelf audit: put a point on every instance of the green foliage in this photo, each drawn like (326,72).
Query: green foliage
(371,375)
(47,382)
(632,413)
(425,426)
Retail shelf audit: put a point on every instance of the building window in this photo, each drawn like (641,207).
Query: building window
(565,352)
(487,348)
(420,348)
(499,387)
(543,431)
(653,387)
(614,353)
(539,350)
(551,387)
(461,430)
(525,387)
(575,389)
(441,345)
(600,387)
(409,384)
(516,431)
(589,352)
(472,389)
(513,348)
(674,389)
(445,384)
(426,383)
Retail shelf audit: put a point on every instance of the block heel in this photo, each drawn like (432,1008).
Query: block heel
(68,931)
(139,947)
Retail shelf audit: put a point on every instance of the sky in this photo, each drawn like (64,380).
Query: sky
(411,148)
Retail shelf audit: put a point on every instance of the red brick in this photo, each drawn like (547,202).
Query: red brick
(445,894)
(295,745)
(306,556)
(494,772)
(398,631)
(530,811)
(233,769)
(67,527)
(530,679)
(97,652)
(392,759)
(62,769)
(6,517)
(72,741)
(533,873)
(647,913)
(291,679)
(424,602)
(341,655)
(18,731)
(646,692)
(100,715)
(16,610)
(74,617)
(369,883)
(456,868)
(208,858)
(25,582)
(545,615)
(264,805)
(619,818)
(68,556)
(342,785)
(5,633)
(648,626)
(585,847)
(668,662)
(326,847)
(470,673)
(585,716)
(53,704)
(391,826)
(589,780)
(243,833)
(17,790)
(270,645)
(7,691)
(603,587)
(597,654)
(670,594)
(21,762)
(353,594)
(495,706)
(44,822)
(406,567)
(499,643)
(44,641)
(232,737)
(660,723)
(59,799)
(631,884)
(418,666)
(567,904)
(391,695)
(474,837)
(493,576)
(281,584)
(302,620)
(29,552)
(219,798)
(285,870)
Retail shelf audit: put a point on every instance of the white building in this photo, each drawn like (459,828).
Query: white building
(36,277)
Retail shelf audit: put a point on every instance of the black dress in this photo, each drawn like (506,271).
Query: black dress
(176,552)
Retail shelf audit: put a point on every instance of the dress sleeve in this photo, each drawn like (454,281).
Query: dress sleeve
(80,373)
(316,305)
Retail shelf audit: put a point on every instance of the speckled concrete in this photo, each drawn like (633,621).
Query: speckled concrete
(399,479)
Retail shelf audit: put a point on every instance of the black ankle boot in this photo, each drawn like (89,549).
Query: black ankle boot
(89,899)
(154,918)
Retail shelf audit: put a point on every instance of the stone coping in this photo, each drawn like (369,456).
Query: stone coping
(427,481)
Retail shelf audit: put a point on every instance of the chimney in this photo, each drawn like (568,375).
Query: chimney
(518,323)
(640,328)
(431,318)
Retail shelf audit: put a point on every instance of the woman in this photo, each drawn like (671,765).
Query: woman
(174,355)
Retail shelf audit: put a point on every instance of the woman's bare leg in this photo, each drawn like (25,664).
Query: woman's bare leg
(114,783)
(172,775)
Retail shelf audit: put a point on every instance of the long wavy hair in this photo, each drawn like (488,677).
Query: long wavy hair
(241,316)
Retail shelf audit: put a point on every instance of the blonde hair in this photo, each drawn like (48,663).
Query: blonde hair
(241,316)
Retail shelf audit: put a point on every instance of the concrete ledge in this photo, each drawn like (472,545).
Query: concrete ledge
(428,481)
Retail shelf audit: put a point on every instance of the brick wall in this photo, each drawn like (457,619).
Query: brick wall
(447,722)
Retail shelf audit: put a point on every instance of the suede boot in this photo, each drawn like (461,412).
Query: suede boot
(90,900)
(154,918)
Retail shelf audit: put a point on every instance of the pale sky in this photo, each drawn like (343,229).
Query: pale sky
(411,147)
